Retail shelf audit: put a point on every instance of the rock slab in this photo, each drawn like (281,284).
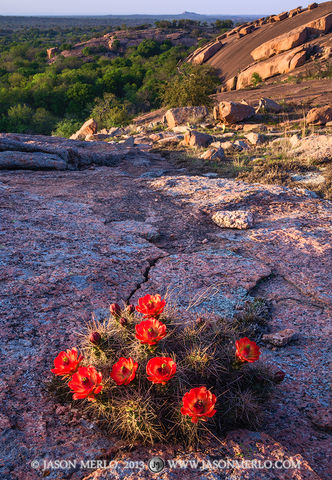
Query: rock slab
(234,112)
(239,219)
(182,115)
(33,161)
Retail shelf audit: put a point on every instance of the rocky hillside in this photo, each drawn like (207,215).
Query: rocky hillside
(118,41)
(270,46)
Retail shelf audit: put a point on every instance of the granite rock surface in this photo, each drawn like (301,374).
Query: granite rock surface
(72,242)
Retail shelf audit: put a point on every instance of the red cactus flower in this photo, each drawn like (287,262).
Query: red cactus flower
(123,322)
(150,331)
(86,383)
(151,305)
(115,310)
(123,371)
(160,369)
(95,338)
(130,309)
(247,350)
(199,403)
(66,363)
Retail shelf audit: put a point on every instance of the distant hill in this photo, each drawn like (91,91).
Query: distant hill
(45,22)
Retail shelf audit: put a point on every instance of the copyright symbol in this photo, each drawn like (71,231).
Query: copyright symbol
(35,464)
(156,465)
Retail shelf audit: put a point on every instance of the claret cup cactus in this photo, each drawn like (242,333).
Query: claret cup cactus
(144,376)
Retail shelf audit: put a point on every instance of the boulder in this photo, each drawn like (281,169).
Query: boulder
(32,160)
(320,25)
(281,16)
(230,84)
(206,53)
(314,148)
(217,144)
(114,131)
(294,140)
(312,6)
(74,153)
(180,129)
(249,127)
(326,52)
(239,219)
(295,11)
(280,44)
(245,30)
(241,145)
(320,115)
(88,128)
(181,115)
(96,137)
(233,112)
(51,52)
(282,63)
(255,138)
(280,339)
(296,61)
(197,139)
(230,146)
(213,154)
(322,418)
(170,140)
(268,105)
(155,137)
(215,112)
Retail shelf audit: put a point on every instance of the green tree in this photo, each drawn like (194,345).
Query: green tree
(148,48)
(193,87)
(224,24)
(43,121)
(79,95)
(20,118)
(110,112)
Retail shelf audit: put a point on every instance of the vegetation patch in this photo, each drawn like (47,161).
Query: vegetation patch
(42,96)
(266,164)
(149,375)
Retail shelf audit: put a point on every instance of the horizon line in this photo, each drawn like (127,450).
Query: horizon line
(128,14)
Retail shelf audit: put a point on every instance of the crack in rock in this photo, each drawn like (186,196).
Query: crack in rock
(146,273)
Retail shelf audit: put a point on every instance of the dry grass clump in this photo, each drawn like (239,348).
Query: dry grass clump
(205,355)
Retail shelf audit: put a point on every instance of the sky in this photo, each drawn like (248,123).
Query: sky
(104,7)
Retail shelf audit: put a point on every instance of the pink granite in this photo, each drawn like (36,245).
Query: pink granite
(72,242)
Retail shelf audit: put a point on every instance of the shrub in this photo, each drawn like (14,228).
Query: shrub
(256,79)
(152,379)
(43,121)
(86,51)
(20,118)
(192,87)
(116,45)
(66,128)
(110,112)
